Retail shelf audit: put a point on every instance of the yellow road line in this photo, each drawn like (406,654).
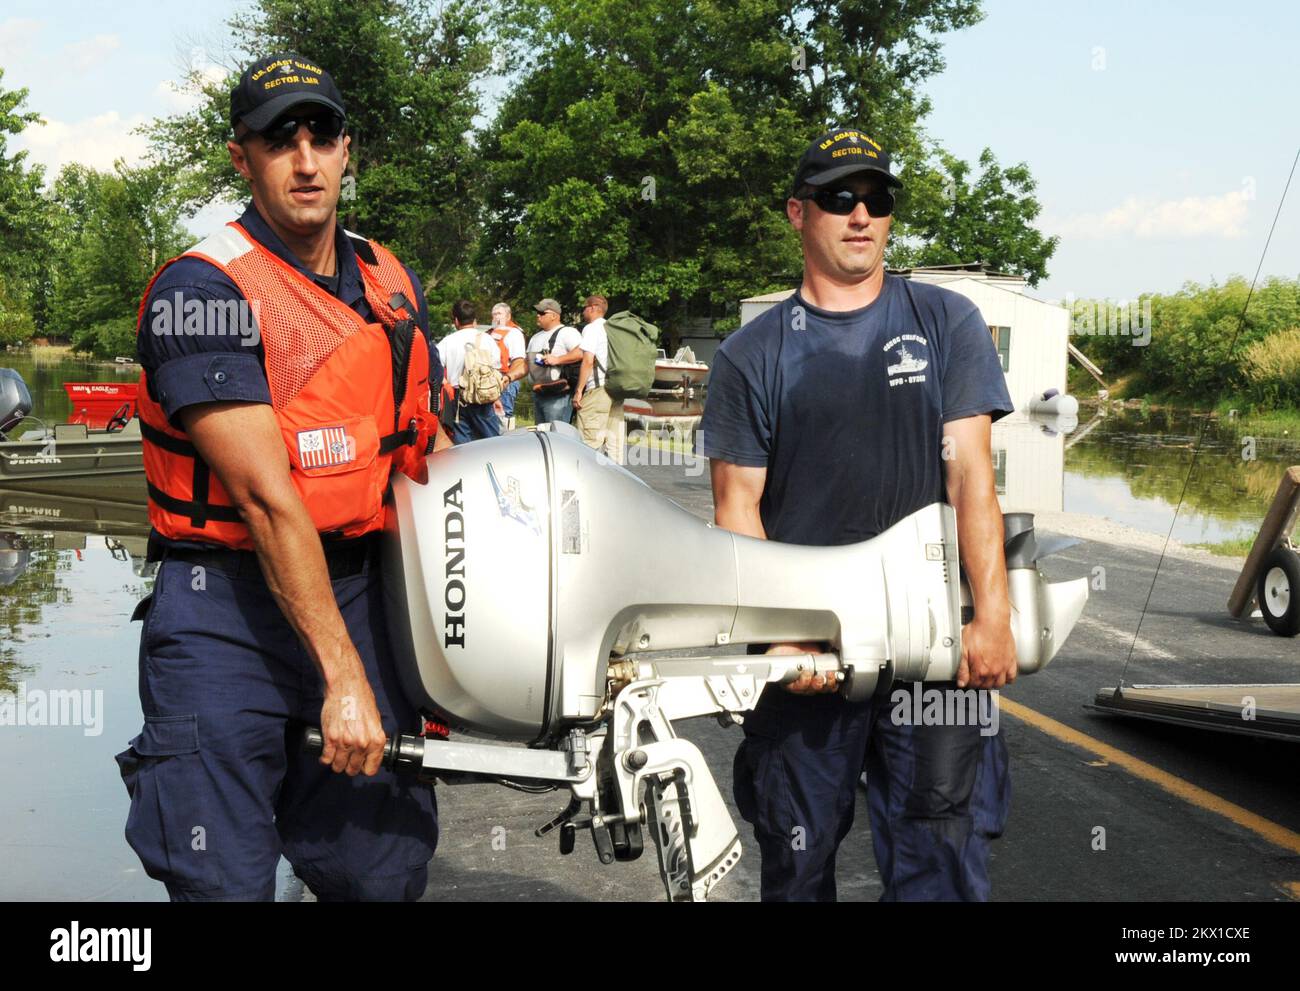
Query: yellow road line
(1188,792)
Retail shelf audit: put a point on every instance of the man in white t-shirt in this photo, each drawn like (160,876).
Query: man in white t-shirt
(470,421)
(600,419)
(553,400)
(510,336)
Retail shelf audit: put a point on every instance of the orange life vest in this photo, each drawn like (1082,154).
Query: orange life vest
(447,397)
(351,397)
(498,334)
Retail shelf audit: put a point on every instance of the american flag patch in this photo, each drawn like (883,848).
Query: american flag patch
(325,446)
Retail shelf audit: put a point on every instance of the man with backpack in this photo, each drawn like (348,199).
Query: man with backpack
(600,417)
(472,360)
(554,342)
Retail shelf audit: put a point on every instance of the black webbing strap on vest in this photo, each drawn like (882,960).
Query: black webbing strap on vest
(198,509)
(199,491)
(391,442)
(401,339)
(181,507)
(176,445)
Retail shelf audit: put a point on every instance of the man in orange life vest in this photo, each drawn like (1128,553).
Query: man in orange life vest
(287,369)
(510,339)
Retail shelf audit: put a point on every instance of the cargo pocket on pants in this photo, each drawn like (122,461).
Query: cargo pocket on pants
(169,822)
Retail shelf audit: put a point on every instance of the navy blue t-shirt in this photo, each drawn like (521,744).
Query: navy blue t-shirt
(846,410)
(182,367)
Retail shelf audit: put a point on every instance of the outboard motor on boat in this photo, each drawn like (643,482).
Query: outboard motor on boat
(615,572)
(15,400)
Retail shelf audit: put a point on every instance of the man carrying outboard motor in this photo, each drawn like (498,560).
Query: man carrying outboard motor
(267,461)
(852,404)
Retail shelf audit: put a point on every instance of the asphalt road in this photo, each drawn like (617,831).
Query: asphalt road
(1187,814)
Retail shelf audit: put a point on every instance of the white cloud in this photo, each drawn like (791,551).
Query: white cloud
(180,97)
(17,38)
(87,52)
(1143,217)
(212,218)
(95,141)
(175,99)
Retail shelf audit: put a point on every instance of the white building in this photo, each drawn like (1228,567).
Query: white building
(1031,335)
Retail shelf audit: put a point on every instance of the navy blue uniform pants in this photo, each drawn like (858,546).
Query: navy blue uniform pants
(218,786)
(937,796)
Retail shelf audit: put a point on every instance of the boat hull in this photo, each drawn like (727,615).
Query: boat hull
(106,461)
(674,375)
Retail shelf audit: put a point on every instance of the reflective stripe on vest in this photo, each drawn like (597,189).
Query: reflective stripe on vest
(351,398)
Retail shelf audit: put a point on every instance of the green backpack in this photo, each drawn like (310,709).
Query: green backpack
(633,350)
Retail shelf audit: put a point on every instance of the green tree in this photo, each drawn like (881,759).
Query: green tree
(646,150)
(16,324)
(407,72)
(1202,339)
(24,222)
(114,229)
(947,219)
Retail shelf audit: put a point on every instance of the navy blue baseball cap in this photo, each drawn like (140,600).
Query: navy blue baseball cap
(840,152)
(274,84)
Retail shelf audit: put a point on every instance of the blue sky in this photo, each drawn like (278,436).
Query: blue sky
(1160,133)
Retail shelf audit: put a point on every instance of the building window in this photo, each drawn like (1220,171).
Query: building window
(1002,340)
(1000,471)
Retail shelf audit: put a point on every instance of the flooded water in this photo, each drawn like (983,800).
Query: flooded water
(71,572)
(1148,472)
(68,667)
(45,372)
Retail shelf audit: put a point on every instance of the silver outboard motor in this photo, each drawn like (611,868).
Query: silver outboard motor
(612,570)
(15,400)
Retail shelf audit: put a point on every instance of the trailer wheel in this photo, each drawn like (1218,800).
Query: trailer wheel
(1279,591)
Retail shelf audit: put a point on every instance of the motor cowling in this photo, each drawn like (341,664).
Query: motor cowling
(15,399)
(524,563)
(467,576)
(528,560)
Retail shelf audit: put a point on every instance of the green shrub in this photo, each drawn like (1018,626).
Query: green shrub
(106,339)
(16,327)
(1271,369)
(16,324)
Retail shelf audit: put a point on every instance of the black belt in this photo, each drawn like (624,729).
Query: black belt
(343,558)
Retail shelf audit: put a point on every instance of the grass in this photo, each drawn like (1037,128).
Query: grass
(1237,547)
(49,354)
(1262,423)
(1270,423)
(672,442)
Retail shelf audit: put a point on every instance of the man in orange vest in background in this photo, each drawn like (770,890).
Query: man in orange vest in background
(510,339)
(287,370)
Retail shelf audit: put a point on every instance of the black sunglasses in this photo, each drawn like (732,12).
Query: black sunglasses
(322,124)
(842,202)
